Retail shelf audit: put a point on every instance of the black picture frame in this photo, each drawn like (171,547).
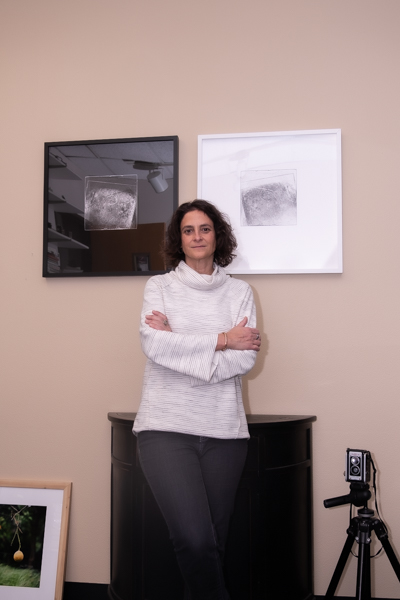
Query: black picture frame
(141,261)
(106,201)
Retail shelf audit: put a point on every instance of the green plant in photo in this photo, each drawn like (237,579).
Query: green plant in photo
(11,576)
(21,544)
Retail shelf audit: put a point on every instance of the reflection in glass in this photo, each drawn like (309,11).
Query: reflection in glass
(106,201)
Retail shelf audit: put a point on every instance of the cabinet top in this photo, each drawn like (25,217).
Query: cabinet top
(253,420)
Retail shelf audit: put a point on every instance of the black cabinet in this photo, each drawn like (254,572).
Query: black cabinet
(270,546)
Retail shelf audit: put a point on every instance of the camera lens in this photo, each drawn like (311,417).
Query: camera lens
(355,470)
(355,460)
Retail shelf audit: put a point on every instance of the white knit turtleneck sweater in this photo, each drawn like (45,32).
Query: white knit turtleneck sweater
(188,387)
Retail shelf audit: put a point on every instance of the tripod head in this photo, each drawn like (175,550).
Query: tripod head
(359,496)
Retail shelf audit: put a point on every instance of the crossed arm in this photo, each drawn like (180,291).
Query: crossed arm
(239,337)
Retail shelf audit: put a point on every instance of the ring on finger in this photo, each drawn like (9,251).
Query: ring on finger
(165,322)
(257,336)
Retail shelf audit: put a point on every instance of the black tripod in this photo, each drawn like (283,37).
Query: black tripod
(360,530)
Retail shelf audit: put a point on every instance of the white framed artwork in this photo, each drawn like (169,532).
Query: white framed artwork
(282,192)
(34,520)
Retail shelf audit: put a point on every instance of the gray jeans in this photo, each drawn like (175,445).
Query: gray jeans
(194,481)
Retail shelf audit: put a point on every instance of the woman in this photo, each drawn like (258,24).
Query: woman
(198,333)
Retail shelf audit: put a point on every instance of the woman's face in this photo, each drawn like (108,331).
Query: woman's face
(198,240)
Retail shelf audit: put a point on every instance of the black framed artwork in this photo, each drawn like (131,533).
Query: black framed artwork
(107,204)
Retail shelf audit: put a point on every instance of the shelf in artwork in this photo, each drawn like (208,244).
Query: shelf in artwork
(62,205)
(56,161)
(63,241)
(62,168)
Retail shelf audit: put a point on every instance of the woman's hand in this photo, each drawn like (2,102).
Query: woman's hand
(244,338)
(157,321)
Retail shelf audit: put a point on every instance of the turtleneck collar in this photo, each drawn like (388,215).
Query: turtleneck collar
(200,282)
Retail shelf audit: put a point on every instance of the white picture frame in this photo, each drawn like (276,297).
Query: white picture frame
(282,192)
(55,497)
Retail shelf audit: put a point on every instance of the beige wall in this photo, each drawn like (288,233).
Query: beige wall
(93,69)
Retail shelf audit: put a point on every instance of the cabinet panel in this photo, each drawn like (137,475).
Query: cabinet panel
(269,550)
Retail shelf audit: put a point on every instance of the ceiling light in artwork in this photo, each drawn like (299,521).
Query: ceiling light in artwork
(157,181)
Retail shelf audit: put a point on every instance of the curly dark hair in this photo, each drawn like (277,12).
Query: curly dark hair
(225,239)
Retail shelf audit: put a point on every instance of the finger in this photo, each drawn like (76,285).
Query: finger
(158,314)
(152,318)
(242,322)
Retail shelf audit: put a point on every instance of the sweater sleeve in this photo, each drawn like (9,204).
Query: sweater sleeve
(191,355)
(232,363)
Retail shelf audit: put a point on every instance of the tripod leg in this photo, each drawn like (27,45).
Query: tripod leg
(382,535)
(341,562)
(364,571)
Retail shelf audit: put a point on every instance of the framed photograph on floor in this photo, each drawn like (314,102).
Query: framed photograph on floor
(34,520)
(282,192)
